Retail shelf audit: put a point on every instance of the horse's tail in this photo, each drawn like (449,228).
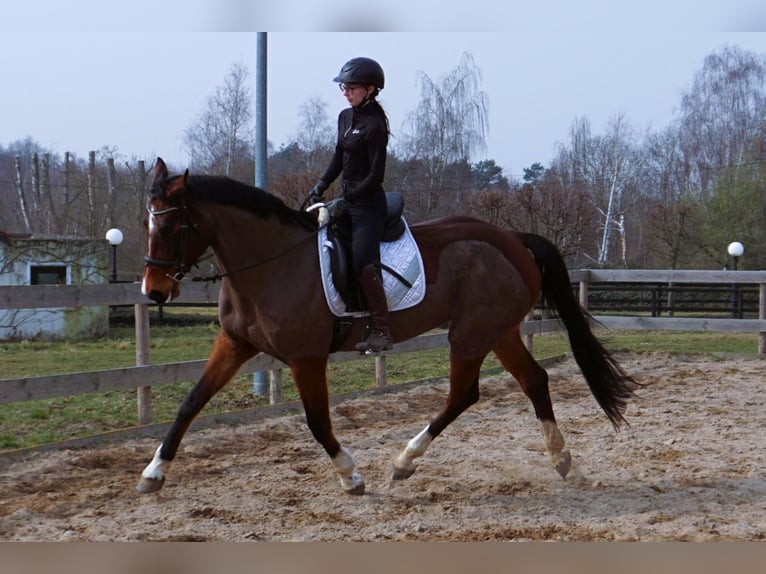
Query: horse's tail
(609,383)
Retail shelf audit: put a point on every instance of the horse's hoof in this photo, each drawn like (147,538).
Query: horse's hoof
(402,473)
(147,485)
(353,484)
(562,463)
(357,490)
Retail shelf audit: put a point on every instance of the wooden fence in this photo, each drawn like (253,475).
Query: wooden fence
(42,387)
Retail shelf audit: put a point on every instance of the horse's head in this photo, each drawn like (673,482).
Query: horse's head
(173,241)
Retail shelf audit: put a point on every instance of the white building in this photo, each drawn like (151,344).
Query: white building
(53,260)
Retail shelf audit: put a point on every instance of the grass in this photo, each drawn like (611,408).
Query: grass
(39,422)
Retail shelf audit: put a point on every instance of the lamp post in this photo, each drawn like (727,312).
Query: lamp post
(114,236)
(735,249)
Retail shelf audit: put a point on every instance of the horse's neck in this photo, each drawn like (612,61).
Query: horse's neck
(244,240)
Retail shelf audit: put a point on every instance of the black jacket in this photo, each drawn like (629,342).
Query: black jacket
(360,153)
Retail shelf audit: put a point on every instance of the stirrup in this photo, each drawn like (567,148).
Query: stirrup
(376,342)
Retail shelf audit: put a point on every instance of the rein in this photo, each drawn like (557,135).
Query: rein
(218,276)
(184,268)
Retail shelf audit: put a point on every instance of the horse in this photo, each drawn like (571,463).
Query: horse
(481,281)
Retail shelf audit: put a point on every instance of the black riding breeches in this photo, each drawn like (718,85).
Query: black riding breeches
(367,226)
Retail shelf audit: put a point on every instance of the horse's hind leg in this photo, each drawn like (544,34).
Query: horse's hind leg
(533,379)
(464,391)
(224,362)
(311,379)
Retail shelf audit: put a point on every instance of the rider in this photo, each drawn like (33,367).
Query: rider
(360,155)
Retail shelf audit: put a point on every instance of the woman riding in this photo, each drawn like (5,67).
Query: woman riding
(360,156)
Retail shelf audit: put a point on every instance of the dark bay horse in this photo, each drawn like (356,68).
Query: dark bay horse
(480,279)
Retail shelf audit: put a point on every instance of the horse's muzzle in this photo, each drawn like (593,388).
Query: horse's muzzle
(157,296)
(159,286)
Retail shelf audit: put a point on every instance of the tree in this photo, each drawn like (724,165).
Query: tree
(670,215)
(620,172)
(494,206)
(449,124)
(534,173)
(560,210)
(722,113)
(221,139)
(736,211)
(489,175)
(608,169)
(315,134)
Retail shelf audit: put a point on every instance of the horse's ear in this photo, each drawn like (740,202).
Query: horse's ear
(177,187)
(160,171)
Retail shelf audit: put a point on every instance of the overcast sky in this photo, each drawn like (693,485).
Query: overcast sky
(134,75)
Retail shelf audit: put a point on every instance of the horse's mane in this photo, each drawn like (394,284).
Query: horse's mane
(226,191)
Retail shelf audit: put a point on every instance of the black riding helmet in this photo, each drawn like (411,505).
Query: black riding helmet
(361,71)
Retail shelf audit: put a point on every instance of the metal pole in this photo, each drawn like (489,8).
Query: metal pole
(260,111)
(734,298)
(260,381)
(113,277)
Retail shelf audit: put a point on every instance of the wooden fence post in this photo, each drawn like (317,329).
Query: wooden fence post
(762,315)
(91,191)
(529,338)
(20,193)
(671,298)
(141,312)
(275,386)
(111,178)
(380,371)
(584,294)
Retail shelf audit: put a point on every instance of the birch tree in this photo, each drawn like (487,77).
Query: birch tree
(449,125)
(315,136)
(608,169)
(221,139)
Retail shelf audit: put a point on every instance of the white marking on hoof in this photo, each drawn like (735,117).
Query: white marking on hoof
(554,443)
(403,464)
(153,476)
(351,480)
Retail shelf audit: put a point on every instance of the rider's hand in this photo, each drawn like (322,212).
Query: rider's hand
(316,195)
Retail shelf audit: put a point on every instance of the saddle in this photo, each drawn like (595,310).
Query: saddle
(339,235)
(401,266)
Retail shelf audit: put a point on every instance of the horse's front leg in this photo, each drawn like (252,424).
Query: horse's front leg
(223,363)
(311,380)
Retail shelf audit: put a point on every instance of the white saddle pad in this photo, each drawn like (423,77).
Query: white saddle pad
(402,255)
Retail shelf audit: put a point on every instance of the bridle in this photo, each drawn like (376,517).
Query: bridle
(178,262)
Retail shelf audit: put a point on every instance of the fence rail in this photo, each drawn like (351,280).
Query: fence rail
(35,388)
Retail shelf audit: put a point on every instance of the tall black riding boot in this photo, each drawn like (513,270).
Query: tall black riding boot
(379,338)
